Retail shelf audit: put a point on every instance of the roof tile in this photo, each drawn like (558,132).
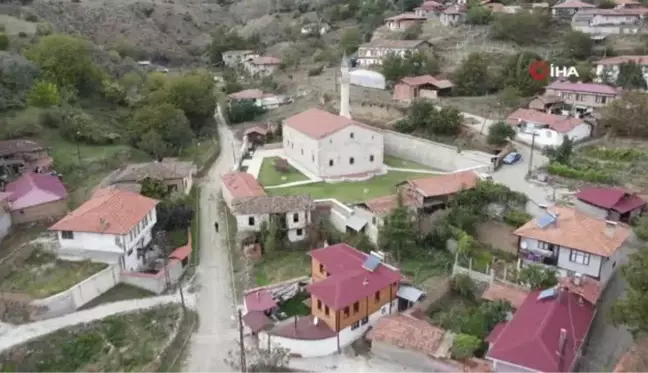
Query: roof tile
(408,333)
(556,122)
(242,184)
(33,189)
(318,124)
(583,87)
(444,185)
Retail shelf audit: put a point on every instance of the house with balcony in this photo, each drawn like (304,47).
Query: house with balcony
(548,129)
(403,21)
(372,53)
(114,227)
(583,97)
(429,9)
(567,9)
(573,242)
(601,22)
(434,193)
(607,69)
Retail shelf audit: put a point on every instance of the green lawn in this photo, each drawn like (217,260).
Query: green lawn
(281,266)
(269,176)
(42,275)
(352,191)
(396,162)
(295,306)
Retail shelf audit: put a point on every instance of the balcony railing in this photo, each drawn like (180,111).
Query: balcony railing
(537,256)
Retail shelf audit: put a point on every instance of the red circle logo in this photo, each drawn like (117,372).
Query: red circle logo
(539,70)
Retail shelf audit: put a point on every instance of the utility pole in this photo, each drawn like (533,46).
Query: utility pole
(241,342)
(78,147)
(533,137)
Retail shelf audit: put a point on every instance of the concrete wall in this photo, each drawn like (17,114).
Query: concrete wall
(590,210)
(433,154)
(78,295)
(339,213)
(156,283)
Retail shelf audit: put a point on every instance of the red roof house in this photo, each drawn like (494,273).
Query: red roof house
(34,197)
(424,86)
(546,333)
(611,203)
(238,185)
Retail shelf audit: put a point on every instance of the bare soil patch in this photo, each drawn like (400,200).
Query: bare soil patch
(498,235)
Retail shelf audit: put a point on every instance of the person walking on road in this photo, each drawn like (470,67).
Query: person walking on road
(216,226)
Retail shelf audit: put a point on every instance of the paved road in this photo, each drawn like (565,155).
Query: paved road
(217,332)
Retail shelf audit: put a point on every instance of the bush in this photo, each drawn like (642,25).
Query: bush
(17,76)
(463,286)
(590,174)
(641,228)
(315,70)
(44,29)
(4,42)
(281,165)
(52,118)
(464,346)
(516,218)
(616,154)
(25,124)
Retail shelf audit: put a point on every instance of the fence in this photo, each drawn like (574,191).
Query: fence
(158,282)
(80,294)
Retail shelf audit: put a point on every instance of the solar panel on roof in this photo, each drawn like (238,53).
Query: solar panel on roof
(371,263)
(545,220)
(548,293)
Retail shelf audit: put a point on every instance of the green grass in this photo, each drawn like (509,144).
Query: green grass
(118,293)
(396,162)
(195,225)
(295,306)
(42,275)
(281,266)
(436,263)
(269,176)
(352,191)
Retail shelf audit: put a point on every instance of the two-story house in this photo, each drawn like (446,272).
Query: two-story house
(567,9)
(547,129)
(23,155)
(583,96)
(610,21)
(261,65)
(372,53)
(351,290)
(453,16)
(434,193)
(176,175)
(113,227)
(429,9)
(573,242)
(332,146)
(402,21)
(610,203)
(236,58)
(607,69)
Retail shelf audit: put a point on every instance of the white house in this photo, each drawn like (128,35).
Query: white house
(259,98)
(548,129)
(567,9)
(453,16)
(607,69)
(112,227)
(236,58)
(315,28)
(610,21)
(573,242)
(372,53)
(374,211)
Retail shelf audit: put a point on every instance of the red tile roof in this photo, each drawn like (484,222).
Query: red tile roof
(257,321)
(242,184)
(260,300)
(444,185)
(318,124)
(416,81)
(256,129)
(182,252)
(531,338)
(556,122)
(266,60)
(348,282)
(640,60)
(384,205)
(430,5)
(406,17)
(409,333)
(34,189)
(247,94)
(615,199)
(595,88)
(573,4)
(109,211)
(578,231)
(589,288)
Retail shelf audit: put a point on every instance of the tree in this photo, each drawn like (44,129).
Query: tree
(516,74)
(152,143)
(225,39)
(577,45)
(66,61)
(413,32)
(275,359)
(174,212)
(607,4)
(169,122)
(563,152)
(113,91)
(537,277)
(586,72)
(243,111)
(632,309)
(478,14)
(194,94)
(17,77)
(395,67)
(43,94)
(464,346)
(631,76)
(627,116)
(641,228)
(4,41)
(271,239)
(153,188)
(509,97)
(499,133)
(422,115)
(472,77)
(398,233)
(463,286)
(350,40)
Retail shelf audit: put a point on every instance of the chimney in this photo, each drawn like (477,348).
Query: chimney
(561,294)
(577,279)
(610,228)
(562,342)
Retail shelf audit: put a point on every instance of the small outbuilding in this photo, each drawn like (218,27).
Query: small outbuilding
(424,86)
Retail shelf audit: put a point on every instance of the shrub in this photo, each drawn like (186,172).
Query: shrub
(31,18)
(614,154)
(464,346)
(641,228)
(25,124)
(44,29)
(463,286)
(282,165)
(4,42)
(22,34)
(516,218)
(315,70)
(590,174)
(52,118)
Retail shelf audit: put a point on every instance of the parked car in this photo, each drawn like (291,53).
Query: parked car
(512,158)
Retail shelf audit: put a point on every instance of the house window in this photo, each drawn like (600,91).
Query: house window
(313,158)
(355,325)
(22,212)
(326,310)
(319,304)
(295,218)
(371,158)
(579,257)
(331,162)
(251,220)
(351,160)
(347,311)
(356,307)
(351,135)
(300,232)
(67,235)
(172,188)
(321,268)
(302,152)
(365,320)
(377,296)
